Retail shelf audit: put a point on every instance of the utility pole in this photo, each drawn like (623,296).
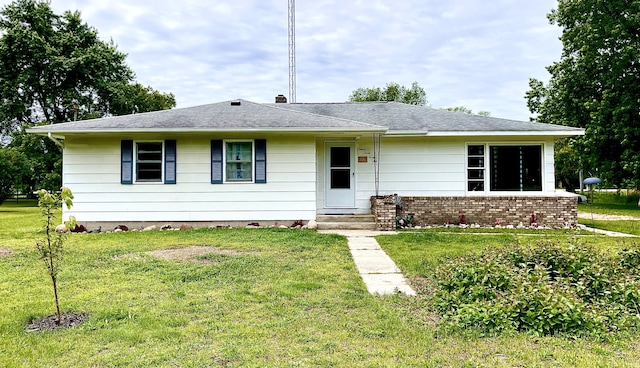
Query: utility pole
(292,51)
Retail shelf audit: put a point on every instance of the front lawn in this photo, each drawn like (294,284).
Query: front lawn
(266,297)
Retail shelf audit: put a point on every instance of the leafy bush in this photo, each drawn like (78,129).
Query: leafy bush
(545,289)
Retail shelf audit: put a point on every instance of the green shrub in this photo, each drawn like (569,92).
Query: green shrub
(545,289)
(630,258)
(471,278)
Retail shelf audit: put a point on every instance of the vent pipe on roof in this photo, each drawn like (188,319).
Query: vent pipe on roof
(281,99)
(235,103)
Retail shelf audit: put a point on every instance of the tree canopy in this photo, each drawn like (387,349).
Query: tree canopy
(596,85)
(415,95)
(53,69)
(466,110)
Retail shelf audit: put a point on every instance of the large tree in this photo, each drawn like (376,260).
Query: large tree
(54,68)
(415,95)
(596,85)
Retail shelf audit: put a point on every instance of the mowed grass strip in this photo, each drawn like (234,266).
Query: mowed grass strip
(607,203)
(622,226)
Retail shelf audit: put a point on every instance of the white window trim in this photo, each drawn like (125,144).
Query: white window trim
(253,161)
(467,168)
(135,162)
(487,168)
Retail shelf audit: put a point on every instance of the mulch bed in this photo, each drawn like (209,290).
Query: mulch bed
(48,323)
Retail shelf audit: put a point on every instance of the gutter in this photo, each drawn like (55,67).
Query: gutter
(484,133)
(55,140)
(209,130)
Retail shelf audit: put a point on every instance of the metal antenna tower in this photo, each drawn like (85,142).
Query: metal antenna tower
(292,51)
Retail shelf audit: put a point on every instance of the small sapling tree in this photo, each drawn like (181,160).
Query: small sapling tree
(51,247)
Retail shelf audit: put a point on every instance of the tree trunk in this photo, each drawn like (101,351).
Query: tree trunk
(55,294)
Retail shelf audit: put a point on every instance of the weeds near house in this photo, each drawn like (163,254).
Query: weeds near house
(51,248)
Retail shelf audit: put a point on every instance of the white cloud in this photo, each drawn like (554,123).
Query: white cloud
(463,52)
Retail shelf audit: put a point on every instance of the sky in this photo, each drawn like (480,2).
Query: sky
(472,53)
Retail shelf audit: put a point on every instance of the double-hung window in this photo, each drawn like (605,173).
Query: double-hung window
(238,161)
(148,162)
(504,168)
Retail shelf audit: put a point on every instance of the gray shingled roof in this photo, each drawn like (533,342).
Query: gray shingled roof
(407,118)
(218,116)
(397,118)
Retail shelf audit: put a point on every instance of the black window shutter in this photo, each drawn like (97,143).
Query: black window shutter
(170,162)
(261,160)
(216,162)
(126,162)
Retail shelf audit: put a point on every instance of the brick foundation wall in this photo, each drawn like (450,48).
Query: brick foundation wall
(384,210)
(550,211)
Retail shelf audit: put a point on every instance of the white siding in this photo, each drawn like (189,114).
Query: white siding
(424,166)
(92,172)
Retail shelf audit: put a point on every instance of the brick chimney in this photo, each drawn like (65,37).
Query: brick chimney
(281,99)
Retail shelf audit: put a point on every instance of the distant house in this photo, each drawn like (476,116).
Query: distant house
(240,161)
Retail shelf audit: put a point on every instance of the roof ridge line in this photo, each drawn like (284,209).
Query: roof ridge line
(324,116)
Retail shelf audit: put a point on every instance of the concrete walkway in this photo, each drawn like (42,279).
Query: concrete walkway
(377,269)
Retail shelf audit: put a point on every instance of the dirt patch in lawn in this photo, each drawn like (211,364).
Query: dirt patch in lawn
(129,257)
(4,252)
(48,323)
(192,252)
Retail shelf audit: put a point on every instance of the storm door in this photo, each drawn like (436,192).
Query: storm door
(340,179)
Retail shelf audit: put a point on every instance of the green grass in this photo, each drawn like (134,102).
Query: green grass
(625,204)
(621,226)
(288,298)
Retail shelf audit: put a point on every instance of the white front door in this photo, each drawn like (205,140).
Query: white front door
(340,178)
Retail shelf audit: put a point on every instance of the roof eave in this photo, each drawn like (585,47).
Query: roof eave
(57,132)
(511,133)
(405,133)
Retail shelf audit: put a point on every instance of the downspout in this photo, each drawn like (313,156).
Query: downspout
(55,140)
(376,162)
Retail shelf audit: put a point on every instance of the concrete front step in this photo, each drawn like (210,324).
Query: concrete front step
(345,218)
(346,226)
(346,222)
